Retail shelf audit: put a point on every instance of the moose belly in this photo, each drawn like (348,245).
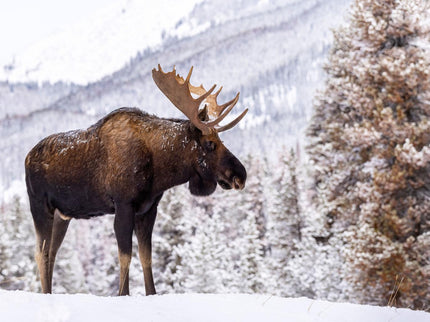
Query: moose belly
(80,204)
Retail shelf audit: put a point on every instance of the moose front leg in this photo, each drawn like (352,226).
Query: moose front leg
(123,226)
(144,224)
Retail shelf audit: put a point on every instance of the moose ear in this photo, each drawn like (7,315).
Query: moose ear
(203,117)
(203,114)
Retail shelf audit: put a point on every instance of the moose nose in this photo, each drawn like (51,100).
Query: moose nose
(238,184)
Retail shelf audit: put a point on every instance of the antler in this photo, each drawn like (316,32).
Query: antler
(178,91)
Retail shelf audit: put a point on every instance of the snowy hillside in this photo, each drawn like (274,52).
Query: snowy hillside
(22,306)
(86,52)
(102,45)
(270,51)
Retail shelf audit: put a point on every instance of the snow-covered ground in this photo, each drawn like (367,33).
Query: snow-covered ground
(23,306)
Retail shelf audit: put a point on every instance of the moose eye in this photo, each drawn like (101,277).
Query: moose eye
(210,146)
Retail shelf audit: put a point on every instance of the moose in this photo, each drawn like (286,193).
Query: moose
(122,165)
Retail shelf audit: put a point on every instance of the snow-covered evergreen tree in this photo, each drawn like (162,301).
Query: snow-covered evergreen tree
(69,274)
(284,221)
(207,261)
(251,265)
(98,254)
(370,146)
(175,224)
(253,199)
(250,244)
(17,240)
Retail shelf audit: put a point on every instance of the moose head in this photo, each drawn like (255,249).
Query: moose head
(214,163)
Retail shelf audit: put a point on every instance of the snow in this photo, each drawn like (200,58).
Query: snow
(87,51)
(23,306)
(16,189)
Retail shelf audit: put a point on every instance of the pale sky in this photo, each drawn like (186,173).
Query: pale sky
(24,22)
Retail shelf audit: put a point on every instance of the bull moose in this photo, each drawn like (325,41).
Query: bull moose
(122,165)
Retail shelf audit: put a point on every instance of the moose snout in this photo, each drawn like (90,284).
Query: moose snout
(233,175)
(239,176)
(233,180)
(238,184)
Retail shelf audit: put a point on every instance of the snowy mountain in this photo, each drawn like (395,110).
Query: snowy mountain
(270,51)
(98,47)
(23,306)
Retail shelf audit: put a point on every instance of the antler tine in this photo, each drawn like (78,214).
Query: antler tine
(217,93)
(220,116)
(215,109)
(213,102)
(232,123)
(187,80)
(221,108)
(203,97)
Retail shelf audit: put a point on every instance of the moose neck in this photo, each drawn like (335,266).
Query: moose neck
(173,159)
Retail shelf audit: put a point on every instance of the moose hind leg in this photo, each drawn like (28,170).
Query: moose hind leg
(123,226)
(43,223)
(144,225)
(59,230)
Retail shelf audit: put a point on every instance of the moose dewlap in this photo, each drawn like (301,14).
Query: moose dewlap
(122,165)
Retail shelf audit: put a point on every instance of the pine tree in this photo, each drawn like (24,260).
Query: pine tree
(207,262)
(68,274)
(253,201)
(98,255)
(370,146)
(250,242)
(252,270)
(176,221)
(17,266)
(284,222)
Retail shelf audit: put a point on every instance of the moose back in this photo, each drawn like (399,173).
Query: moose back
(122,165)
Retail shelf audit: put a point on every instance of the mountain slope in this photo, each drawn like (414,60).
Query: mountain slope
(87,51)
(272,52)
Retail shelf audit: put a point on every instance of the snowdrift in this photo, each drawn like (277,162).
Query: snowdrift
(24,306)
